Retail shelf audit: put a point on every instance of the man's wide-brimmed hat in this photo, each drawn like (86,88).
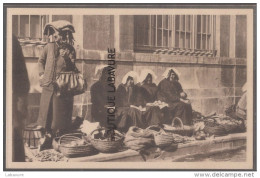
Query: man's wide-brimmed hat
(60,25)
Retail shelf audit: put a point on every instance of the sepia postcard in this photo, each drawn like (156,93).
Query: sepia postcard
(130,87)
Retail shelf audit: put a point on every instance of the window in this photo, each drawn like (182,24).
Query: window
(178,34)
(29,26)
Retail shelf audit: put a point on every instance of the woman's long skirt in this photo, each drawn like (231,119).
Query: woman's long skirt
(178,109)
(128,116)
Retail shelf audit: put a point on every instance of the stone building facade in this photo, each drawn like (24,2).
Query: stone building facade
(210,52)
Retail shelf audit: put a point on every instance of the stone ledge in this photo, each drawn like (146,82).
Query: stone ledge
(219,144)
(34,51)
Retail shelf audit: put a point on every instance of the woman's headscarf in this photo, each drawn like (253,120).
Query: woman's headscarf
(144,74)
(60,25)
(132,74)
(168,70)
(64,28)
(99,68)
(99,71)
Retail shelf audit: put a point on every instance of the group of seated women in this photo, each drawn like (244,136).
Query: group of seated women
(132,98)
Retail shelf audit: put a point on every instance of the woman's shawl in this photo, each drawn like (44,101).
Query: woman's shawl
(151,89)
(169,91)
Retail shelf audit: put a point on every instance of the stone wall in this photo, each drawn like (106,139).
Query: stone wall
(212,84)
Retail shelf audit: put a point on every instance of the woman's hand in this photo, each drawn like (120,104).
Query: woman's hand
(185,101)
(183,95)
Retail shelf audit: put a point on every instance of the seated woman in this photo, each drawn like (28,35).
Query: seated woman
(98,97)
(171,92)
(146,82)
(125,98)
(131,105)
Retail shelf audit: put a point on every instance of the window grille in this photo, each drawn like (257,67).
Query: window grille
(177,34)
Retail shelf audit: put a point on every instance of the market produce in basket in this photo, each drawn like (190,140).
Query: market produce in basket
(223,125)
(76,143)
(103,134)
(106,141)
(230,124)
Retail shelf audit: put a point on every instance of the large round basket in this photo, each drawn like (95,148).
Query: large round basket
(163,139)
(214,128)
(107,146)
(180,128)
(75,151)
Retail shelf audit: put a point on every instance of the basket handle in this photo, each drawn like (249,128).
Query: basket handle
(99,129)
(71,135)
(177,118)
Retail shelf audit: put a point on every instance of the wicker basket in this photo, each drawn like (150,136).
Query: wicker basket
(74,151)
(163,139)
(234,128)
(106,146)
(215,130)
(181,129)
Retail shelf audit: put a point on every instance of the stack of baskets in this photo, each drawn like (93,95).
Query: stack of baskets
(73,145)
(103,143)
